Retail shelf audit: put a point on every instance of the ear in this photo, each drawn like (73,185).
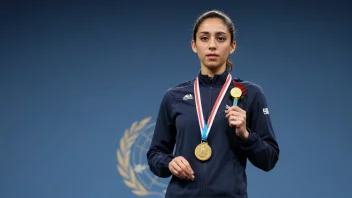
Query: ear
(194,47)
(233,47)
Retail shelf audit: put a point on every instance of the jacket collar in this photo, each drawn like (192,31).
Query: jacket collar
(217,79)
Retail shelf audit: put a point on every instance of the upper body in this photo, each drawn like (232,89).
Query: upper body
(177,127)
(237,133)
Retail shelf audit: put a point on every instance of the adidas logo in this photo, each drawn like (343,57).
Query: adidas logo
(188,97)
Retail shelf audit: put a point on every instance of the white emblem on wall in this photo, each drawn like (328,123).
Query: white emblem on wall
(132,163)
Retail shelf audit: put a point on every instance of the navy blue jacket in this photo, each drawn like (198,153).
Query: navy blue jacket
(177,133)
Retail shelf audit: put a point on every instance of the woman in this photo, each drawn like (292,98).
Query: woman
(208,127)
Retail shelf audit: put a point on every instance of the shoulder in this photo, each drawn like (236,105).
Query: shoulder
(186,85)
(253,91)
(178,89)
(255,96)
(183,85)
(250,86)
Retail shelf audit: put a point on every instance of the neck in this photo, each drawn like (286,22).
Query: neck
(212,71)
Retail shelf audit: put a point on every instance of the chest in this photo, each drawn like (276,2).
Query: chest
(184,112)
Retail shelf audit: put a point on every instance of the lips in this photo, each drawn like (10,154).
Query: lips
(212,56)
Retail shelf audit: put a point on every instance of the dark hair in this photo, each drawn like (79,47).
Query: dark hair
(228,22)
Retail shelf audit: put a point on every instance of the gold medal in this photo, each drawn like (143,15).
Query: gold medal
(236,93)
(203,151)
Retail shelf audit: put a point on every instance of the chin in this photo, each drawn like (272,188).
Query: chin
(213,66)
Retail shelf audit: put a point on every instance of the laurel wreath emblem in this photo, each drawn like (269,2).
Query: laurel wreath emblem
(123,157)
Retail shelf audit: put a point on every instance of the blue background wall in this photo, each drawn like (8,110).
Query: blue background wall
(74,76)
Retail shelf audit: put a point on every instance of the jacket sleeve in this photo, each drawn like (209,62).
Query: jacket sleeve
(261,146)
(161,148)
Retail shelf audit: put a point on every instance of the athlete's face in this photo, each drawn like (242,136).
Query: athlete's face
(213,43)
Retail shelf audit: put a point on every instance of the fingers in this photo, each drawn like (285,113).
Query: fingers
(187,168)
(180,167)
(236,116)
(233,113)
(184,169)
(177,170)
(235,123)
(235,109)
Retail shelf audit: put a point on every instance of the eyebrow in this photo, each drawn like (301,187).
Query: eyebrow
(204,32)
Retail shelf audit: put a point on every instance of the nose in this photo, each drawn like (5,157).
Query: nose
(212,44)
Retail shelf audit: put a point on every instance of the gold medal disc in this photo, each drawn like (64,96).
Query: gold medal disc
(203,151)
(236,92)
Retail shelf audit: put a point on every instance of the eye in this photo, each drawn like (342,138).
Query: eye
(203,38)
(221,38)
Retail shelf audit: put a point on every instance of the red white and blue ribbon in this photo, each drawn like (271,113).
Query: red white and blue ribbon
(205,127)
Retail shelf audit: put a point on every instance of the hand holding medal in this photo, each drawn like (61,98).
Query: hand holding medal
(236,115)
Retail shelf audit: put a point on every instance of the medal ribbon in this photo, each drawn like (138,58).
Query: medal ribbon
(234,100)
(205,127)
